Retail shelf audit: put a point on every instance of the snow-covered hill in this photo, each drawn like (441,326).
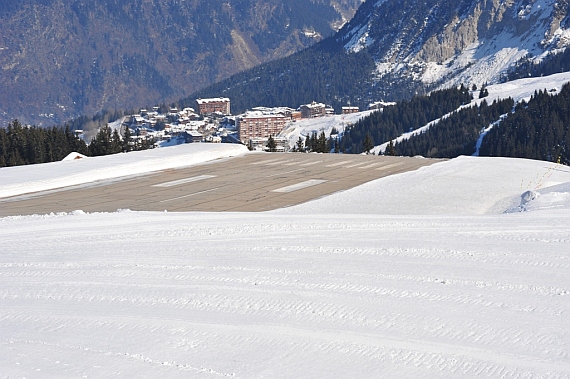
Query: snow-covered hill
(407,282)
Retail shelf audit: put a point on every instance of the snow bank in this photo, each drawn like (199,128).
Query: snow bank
(465,185)
(32,178)
(554,197)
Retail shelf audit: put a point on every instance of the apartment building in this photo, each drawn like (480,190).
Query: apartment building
(214,105)
(259,125)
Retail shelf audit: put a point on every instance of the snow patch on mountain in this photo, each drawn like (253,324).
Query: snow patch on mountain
(360,40)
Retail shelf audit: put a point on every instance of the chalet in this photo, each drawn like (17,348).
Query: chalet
(213,139)
(137,120)
(193,136)
(349,110)
(313,110)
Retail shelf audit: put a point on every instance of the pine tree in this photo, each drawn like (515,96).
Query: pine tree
(322,143)
(116,143)
(391,150)
(127,140)
(271,145)
(368,143)
(300,146)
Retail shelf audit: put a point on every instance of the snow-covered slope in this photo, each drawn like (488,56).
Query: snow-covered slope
(307,127)
(465,185)
(430,292)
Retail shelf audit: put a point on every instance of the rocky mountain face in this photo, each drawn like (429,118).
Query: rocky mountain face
(64,58)
(437,43)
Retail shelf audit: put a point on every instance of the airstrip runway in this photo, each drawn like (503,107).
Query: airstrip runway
(251,183)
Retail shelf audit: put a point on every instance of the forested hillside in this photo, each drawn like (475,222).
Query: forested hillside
(539,129)
(62,59)
(457,134)
(402,117)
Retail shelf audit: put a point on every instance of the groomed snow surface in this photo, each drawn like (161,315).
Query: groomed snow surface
(419,275)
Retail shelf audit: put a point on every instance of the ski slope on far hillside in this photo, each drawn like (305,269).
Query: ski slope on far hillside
(307,127)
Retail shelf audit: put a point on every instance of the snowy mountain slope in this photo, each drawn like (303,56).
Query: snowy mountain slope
(307,293)
(518,90)
(439,44)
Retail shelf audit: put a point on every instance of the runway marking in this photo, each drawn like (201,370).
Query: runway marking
(298,186)
(286,172)
(278,162)
(184,181)
(310,163)
(355,165)
(266,161)
(389,166)
(192,194)
(338,164)
(292,164)
(371,165)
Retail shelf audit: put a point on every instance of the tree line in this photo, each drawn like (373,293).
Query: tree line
(539,129)
(23,145)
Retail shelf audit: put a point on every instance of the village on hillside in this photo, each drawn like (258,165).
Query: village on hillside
(212,121)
